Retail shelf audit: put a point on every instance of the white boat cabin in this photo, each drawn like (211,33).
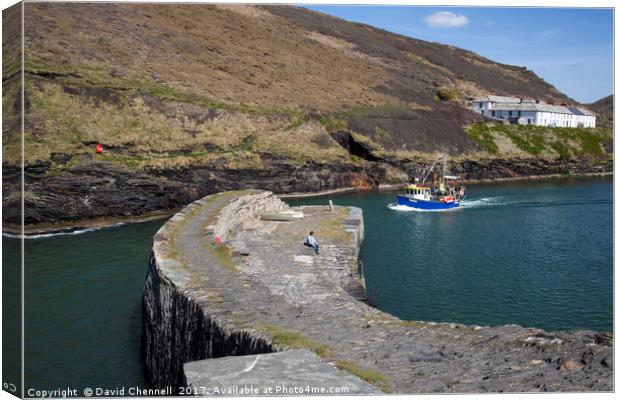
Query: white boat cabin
(418,192)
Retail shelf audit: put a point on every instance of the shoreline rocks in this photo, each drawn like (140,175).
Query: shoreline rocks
(92,192)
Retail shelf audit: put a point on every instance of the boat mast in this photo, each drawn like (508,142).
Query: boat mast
(442,179)
(445,169)
(428,173)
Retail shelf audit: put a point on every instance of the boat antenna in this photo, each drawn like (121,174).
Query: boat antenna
(429,172)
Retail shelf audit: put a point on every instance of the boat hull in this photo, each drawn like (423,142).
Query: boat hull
(426,205)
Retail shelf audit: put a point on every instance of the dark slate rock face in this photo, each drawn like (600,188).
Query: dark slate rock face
(94,190)
(176,329)
(98,190)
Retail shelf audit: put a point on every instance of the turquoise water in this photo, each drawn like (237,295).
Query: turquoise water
(11,315)
(535,254)
(83,307)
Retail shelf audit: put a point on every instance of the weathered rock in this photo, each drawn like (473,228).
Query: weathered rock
(572,365)
(61,158)
(293,372)
(99,190)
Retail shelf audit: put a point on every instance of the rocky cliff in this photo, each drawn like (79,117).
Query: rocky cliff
(98,191)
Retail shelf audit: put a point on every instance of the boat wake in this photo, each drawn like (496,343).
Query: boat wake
(62,233)
(483,202)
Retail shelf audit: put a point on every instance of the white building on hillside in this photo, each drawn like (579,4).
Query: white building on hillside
(532,112)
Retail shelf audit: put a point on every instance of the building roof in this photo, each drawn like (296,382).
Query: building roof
(576,111)
(499,99)
(503,103)
(581,111)
(531,107)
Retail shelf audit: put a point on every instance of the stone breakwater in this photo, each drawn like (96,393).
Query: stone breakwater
(262,291)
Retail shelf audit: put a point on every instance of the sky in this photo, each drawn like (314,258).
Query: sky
(570,48)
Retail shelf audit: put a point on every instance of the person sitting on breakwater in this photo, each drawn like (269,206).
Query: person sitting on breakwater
(311,242)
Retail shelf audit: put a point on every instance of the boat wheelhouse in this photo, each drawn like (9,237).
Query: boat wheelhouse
(418,192)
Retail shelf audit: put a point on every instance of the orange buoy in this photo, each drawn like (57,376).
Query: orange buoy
(99,148)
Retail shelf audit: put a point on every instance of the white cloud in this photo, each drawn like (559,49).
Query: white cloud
(489,24)
(446,19)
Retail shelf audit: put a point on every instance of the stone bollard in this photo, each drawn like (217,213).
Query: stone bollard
(210,232)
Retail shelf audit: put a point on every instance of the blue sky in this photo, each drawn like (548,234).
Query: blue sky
(570,48)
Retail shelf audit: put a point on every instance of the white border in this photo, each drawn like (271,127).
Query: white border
(447,3)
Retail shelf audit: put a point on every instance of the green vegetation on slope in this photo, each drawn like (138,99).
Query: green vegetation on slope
(103,77)
(147,125)
(448,94)
(258,85)
(371,376)
(481,134)
(294,340)
(333,123)
(539,140)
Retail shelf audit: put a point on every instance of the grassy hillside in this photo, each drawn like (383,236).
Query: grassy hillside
(189,100)
(11,82)
(174,85)
(605,110)
(419,69)
(170,86)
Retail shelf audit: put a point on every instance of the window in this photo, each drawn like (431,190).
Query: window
(493,113)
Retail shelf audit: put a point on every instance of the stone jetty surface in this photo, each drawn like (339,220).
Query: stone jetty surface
(292,372)
(261,291)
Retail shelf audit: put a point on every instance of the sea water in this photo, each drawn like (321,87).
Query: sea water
(536,254)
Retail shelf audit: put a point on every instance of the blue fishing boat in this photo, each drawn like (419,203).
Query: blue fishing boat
(445,193)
